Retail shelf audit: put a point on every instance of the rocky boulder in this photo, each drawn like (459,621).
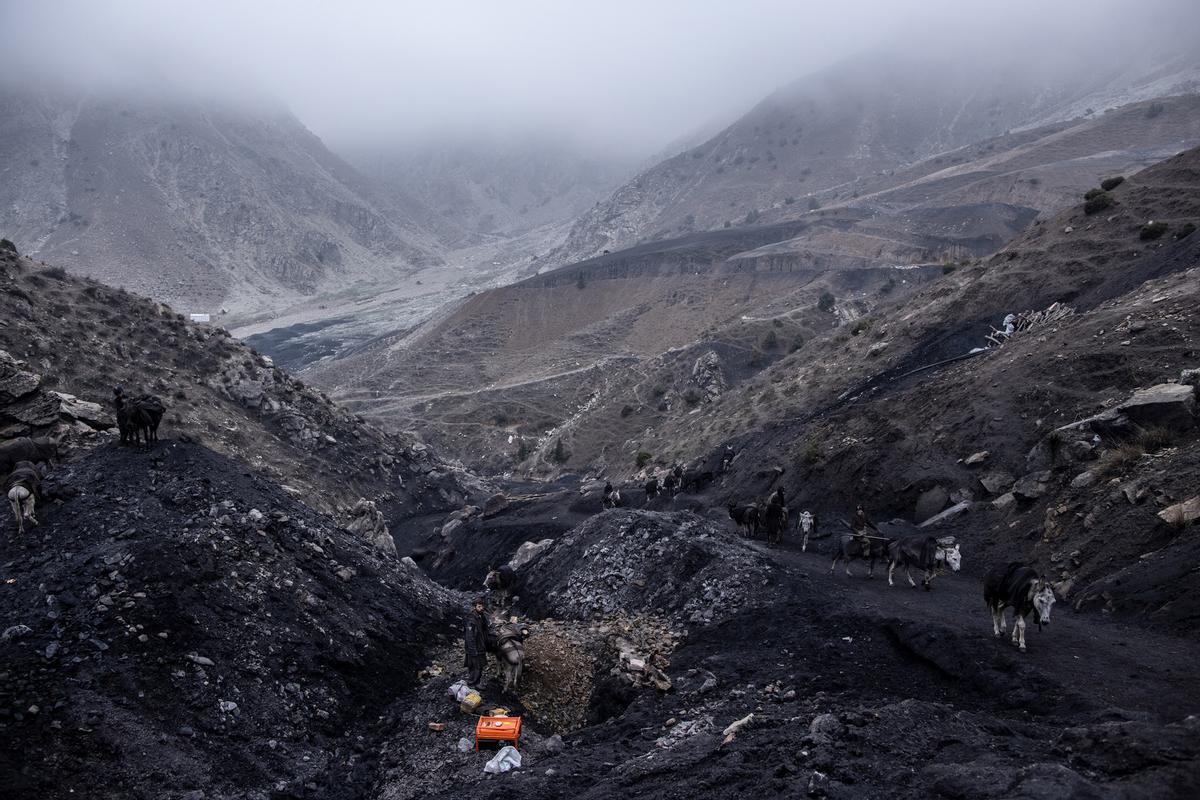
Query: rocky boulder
(367,522)
(15,380)
(1167,405)
(1032,486)
(708,374)
(529,551)
(930,503)
(1184,513)
(996,481)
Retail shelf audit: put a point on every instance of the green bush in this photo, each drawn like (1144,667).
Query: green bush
(6,244)
(692,396)
(948,268)
(642,459)
(1092,194)
(1097,203)
(797,343)
(826,301)
(1108,184)
(1187,230)
(788,200)
(560,452)
(659,391)
(1152,230)
(626,411)
(1154,110)
(753,216)
(770,341)
(813,204)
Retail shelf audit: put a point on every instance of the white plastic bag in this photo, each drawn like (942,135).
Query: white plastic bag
(508,758)
(459,691)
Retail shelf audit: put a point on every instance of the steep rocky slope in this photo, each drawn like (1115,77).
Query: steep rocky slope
(861,126)
(187,626)
(855,418)
(493,379)
(79,339)
(197,204)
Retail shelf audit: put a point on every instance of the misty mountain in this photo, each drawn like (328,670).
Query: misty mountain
(829,137)
(200,204)
(471,191)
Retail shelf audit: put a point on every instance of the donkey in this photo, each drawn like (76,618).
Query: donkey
(502,584)
(807,524)
(23,489)
(505,641)
(1017,585)
(929,553)
(850,546)
(746,517)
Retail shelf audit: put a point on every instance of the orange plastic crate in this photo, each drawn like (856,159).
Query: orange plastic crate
(498,730)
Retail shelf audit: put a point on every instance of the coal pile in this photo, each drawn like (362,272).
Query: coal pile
(671,564)
(180,624)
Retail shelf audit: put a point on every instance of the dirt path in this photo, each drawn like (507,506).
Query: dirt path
(1108,662)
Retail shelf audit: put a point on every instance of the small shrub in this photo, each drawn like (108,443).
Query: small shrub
(580,281)
(501,419)
(642,459)
(770,341)
(1154,110)
(692,396)
(626,411)
(787,201)
(1097,203)
(812,453)
(659,390)
(797,343)
(1119,459)
(826,301)
(1152,230)
(753,216)
(948,268)
(1187,230)
(813,204)
(6,244)
(560,454)
(1154,439)
(778,323)
(1108,184)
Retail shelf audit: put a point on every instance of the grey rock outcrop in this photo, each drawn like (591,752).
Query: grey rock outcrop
(1167,405)
(708,373)
(367,522)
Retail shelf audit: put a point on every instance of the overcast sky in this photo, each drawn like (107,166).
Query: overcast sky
(634,73)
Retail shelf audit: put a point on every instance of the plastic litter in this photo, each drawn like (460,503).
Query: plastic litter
(459,691)
(508,758)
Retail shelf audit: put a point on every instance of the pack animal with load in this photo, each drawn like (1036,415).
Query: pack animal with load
(23,488)
(931,554)
(1020,587)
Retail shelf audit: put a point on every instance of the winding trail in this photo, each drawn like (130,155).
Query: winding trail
(1109,662)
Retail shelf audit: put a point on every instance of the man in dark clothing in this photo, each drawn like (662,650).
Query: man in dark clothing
(775,516)
(861,524)
(475,642)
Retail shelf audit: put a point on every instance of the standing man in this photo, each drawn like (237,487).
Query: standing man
(475,642)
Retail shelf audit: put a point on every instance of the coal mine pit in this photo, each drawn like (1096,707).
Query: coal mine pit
(199,627)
